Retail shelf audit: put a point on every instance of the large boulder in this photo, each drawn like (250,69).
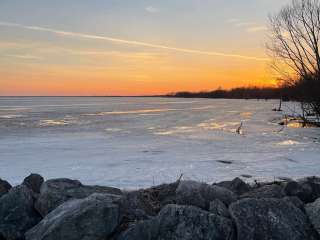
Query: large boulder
(143,204)
(4,187)
(201,194)
(219,208)
(302,190)
(57,191)
(295,201)
(266,191)
(34,182)
(236,185)
(181,223)
(17,213)
(313,211)
(92,218)
(307,189)
(151,200)
(265,219)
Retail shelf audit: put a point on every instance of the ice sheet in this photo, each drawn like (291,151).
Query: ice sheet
(139,142)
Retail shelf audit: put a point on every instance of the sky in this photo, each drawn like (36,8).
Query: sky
(132,47)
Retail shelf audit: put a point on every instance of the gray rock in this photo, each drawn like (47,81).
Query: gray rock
(151,200)
(57,191)
(17,213)
(4,187)
(201,194)
(92,218)
(236,185)
(308,183)
(313,211)
(182,223)
(265,219)
(302,190)
(34,182)
(217,207)
(266,191)
(295,201)
(143,204)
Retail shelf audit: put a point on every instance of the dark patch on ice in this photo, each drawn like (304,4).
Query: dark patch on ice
(246,176)
(290,159)
(286,179)
(225,162)
(153,152)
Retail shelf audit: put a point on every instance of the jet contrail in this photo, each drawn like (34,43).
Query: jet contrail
(129,42)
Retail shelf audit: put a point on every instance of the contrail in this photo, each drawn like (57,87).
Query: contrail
(129,42)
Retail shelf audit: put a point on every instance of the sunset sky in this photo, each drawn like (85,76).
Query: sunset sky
(132,47)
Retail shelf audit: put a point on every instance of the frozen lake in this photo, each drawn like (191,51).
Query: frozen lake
(138,142)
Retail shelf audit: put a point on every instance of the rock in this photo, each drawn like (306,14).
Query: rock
(217,207)
(92,218)
(265,219)
(34,182)
(201,194)
(142,204)
(17,213)
(57,191)
(236,185)
(313,212)
(4,187)
(295,201)
(301,190)
(181,223)
(313,184)
(266,191)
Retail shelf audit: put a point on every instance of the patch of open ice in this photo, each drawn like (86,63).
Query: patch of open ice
(50,122)
(288,142)
(141,111)
(176,130)
(11,116)
(113,129)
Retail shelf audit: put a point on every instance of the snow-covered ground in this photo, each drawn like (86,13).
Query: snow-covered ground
(138,142)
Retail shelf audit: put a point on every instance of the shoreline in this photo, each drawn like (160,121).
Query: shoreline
(231,210)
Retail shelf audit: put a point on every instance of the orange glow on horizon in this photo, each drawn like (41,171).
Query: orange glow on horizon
(94,81)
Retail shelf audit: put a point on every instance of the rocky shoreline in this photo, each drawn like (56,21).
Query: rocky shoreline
(187,210)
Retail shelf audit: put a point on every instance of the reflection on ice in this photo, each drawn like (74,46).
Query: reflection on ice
(227,126)
(246,114)
(288,142)
(114,130)
(176,130)
(142,111)
(52,122)
(11,116)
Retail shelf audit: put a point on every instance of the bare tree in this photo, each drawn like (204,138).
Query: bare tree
(294,47)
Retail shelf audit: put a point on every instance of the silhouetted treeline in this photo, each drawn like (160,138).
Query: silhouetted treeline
(285,93)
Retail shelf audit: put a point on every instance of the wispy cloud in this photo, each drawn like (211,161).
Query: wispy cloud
(151,9)
(257,29)
(130,42)
(233,20)
(250,27)
(25,57)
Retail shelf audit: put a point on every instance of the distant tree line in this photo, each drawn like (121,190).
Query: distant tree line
(285,93)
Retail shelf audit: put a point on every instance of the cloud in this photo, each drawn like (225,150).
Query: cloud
(244,24)
(151,9)
(131,42)
(250,27)
(257,29)
(233,20)
(25,57)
